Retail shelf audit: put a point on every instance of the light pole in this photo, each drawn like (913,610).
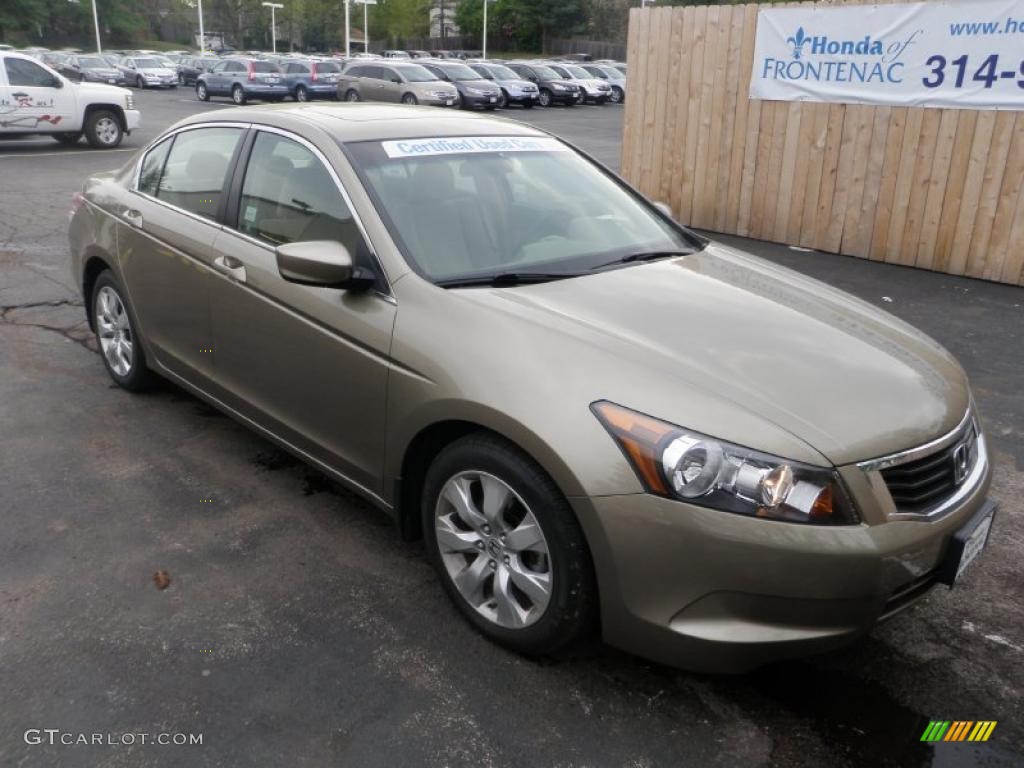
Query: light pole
(366,24)
(96,23)
(202,32)
(348,14)
(484,52)
(273,26)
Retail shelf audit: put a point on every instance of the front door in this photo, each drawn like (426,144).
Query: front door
(308,363)
(32,98)
(165,245)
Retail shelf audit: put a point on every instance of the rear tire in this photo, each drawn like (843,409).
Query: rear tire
(120,347)
(521,574)
(181,79)
(618,95)
(103,129)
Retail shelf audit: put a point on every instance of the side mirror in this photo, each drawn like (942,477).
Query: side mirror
(325,263)
(665,208)
(396,80)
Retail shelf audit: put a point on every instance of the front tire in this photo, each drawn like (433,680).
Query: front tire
(617,95)
(410,99)
(181,79)
(238,95)
(140,83)
(202,93)
(115,330)
(545,97)
(103,129)
(503,100)
(507,546)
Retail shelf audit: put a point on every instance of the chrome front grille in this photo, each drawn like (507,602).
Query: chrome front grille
(930,479)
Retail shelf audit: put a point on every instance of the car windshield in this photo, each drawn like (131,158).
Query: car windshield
(501,72)
(147,63)
(611,73)
(414,73)
(578,72)
(462,208)
(92,62)
(546,73)
(460,72)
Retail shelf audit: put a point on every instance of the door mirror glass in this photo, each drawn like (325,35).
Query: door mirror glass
(323,263)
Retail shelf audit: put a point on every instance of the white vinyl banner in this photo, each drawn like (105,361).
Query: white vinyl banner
(966,54)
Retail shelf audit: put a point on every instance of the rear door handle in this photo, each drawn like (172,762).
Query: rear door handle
(230,266)
(133,217)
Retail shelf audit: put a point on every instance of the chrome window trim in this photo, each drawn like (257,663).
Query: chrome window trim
(911,454)
(388,294)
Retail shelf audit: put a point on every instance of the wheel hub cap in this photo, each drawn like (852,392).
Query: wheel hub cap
(114,331)
(493,549)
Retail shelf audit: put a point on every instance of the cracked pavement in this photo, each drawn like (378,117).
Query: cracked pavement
(299,630)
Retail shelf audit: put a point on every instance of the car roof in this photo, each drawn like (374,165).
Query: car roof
(362,121)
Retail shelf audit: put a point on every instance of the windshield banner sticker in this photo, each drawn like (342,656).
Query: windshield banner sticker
(458,145)
(967,55)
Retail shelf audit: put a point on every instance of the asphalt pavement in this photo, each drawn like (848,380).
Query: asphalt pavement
(299,630)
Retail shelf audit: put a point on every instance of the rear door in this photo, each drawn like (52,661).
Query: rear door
(32,98)
(165,245)
(307,363)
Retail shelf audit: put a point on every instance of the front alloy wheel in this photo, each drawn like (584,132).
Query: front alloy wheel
(545,97)
(507,546)
(238,95)
(201,92)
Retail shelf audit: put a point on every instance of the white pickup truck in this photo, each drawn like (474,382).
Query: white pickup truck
(34,99)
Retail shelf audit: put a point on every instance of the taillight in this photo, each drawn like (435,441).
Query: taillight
(313,73)
(252,71)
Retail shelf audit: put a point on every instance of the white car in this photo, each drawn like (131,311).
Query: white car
(150,72)
(594,88)
(36,100)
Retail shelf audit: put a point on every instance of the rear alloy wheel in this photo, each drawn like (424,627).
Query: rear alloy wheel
(507,546)
(201,93)
(410,98)
(238,95)
(301,94)
(352,95)
(103,129)
(119,345)
(545,97)
(617,95)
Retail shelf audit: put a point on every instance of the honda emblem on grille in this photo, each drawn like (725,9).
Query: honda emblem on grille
(961,462)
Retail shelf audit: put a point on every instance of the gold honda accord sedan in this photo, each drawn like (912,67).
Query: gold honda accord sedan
(596,419)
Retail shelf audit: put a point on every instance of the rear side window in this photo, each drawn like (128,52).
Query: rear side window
(153,166)
(288,196)
(193,176)
(27,73)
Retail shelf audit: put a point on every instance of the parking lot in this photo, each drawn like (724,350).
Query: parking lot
(298,629)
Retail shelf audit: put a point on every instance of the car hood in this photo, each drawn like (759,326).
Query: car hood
(102,90)
(720,326)
(515,83)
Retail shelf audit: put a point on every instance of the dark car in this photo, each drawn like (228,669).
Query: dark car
(553,89)
(91,69)
(191,67)
(311,78)
(474,90)
(242,79)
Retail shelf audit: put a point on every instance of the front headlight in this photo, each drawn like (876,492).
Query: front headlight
(557,87)
(474,91)
(686,465)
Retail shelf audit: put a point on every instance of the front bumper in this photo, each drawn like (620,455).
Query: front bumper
(488,100)
(718,592)
(523,98)
(259,89)
(132,118)
(565,97)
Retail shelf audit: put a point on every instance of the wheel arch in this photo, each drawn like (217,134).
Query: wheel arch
(431,438)
(116,109)
(95,264)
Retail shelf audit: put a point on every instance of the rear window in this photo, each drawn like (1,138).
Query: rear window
(327,66)
(264,66)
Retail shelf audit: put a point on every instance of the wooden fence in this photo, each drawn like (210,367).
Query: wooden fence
(938,189)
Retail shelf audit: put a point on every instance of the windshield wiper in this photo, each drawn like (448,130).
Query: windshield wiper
(642,256)
(504,279)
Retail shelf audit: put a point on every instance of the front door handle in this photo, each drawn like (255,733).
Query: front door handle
(133,217)
(230,266)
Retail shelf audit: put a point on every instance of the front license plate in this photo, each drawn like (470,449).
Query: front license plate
(967,544)
(450,102)
(111,81)
(493,99)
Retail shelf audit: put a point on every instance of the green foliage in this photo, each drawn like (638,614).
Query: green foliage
(522,24)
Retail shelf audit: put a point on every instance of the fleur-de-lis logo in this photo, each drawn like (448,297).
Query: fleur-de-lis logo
(798,41)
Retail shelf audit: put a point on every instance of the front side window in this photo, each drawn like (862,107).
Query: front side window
(27,73)
(466,207)
(153,167)
(288,196)
(196,167)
